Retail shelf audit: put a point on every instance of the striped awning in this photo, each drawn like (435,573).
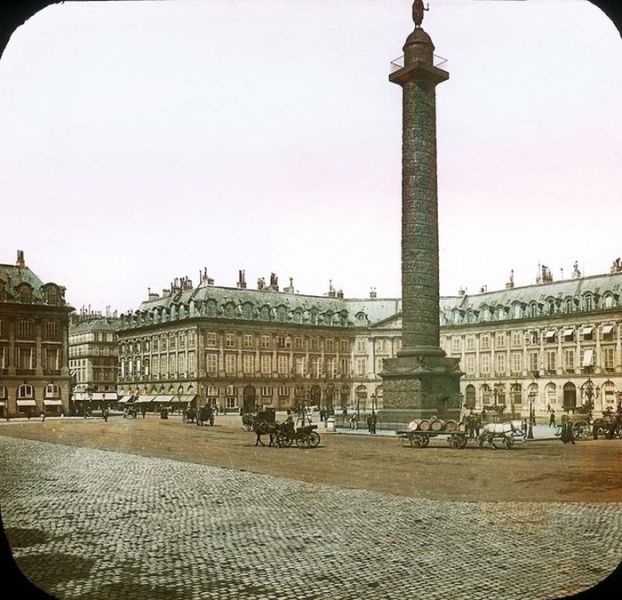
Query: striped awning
(52,402)
(568,332)
(550,334)
(125,399)
(586,330)
(110,396)
(165,399)
(97,396)
(607,329)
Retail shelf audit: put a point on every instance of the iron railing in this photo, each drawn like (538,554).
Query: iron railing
(398,63)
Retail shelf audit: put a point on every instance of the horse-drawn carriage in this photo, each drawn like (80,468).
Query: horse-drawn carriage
(495,435)
(285,435)
(580,423)
(609,425)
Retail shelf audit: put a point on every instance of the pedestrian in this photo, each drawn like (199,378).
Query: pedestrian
(470,424)
(43,415)
(105,414)
(374,420)
(353,421)
(369,423)
(552,419)
(478,424)
(143,410)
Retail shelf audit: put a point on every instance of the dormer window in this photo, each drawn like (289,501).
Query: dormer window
(52,295)
(588,303)
(25,294)
(569,305)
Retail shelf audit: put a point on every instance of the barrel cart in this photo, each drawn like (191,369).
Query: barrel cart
(420,432)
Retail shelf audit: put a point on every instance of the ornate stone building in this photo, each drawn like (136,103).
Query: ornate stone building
(238,348)
(93,357)
(545,344)
(34,322)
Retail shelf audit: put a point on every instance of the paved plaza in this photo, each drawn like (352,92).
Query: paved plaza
(93,524)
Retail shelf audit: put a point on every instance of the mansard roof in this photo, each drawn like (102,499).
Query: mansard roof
(97,324)
(13,277)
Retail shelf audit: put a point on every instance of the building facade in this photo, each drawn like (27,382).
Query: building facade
(548,345)
(237,348)
(93,357)
(34,324)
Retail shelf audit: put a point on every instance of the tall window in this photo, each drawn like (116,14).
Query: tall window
(50,330)
(500,363)
(315,344)
(569,360)
(247,340)
(265,341)
(329,345)
(51,358)
(300,365)
(551,394)
(551,361)
(344,367)
(517,339)
(248,362)
(470,364)
(211,363)
(282,342)
(24,329)
(282,364)
(316,367)
(25,391)
(331,366)
(517,362)
(4,357)
(360,345)
(608,358)
(588,303)
(191,339)
(534,361)
(25,358)
(155,366)
(456,343)
(470,342)
(344,346)
(210,339)
(500,340)
(485,363)
(230,363)
(298,343)
(266,363)
(191,365)
(484,341)
(229,340)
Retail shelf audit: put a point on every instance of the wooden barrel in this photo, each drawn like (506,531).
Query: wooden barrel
(424,425)
(461,426)
(437,425)
(413,425)
(451,425)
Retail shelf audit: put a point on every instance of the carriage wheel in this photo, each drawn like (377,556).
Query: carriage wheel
(286,441)
(314,439)
(581,430)
(452,440)
(416,441)
(425,441)
(461,441)
(302,441)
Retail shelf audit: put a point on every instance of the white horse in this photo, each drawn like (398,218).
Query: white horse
(503,433)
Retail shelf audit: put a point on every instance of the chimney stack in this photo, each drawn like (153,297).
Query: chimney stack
(242,279)
(340,294)
(331,289)
(372,292)
(20,259)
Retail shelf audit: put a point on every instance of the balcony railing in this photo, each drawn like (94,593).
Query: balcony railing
(398,63)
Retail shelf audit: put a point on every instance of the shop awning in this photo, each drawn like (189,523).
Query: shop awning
(51,402)
(26,403)
(588,357)
(568,332)
(125,399)
(586,330)
(79,396)
(185,398)
(165,399)
(550,334)
(97,396)
(607,329)
(2,403)
(110,396)
(144,399)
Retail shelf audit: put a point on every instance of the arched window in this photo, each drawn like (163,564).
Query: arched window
(486,313)
(608,301)
(282,313)
(516,394)
(518,311)
(588,303)
(25,391)
(534,310)
(609,394)
(25,293)
(52,295)
(469,396)
(52,391)
(551,306)
(569,305)
(533,392)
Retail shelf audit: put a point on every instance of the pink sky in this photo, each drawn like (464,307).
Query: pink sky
(142,141)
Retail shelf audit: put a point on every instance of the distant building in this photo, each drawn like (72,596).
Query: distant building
(34,321)
(93,357)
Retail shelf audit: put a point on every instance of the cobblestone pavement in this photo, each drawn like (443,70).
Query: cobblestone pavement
(91,524)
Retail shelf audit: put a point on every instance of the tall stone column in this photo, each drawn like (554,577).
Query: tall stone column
(421,380)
